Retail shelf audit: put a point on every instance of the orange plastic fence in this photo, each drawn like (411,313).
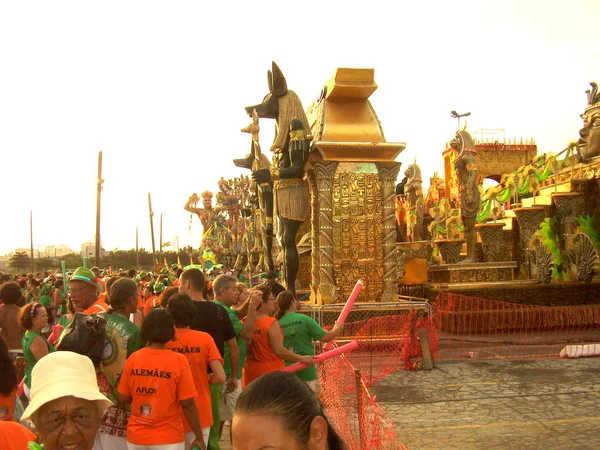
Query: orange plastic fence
(471,327)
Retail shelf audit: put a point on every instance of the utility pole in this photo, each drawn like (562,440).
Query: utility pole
(99,190)
(31,238)
(152,229)
(160,256)
(137,250)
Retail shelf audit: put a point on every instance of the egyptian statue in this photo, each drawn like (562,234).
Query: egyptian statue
(589,142)
(414,194)
(465,166)
(290,148)
(256,160)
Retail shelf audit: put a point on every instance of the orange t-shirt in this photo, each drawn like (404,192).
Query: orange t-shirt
(199,348)
(157,381)
(140,304)
(96,307)
(150,304)
(260,358)
(15,436)
(7,405)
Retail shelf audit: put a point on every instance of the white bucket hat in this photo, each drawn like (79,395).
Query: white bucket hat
(61,374)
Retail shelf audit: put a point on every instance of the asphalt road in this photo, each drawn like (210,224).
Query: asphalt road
(497,404)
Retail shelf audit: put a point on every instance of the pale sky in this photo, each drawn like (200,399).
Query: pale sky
(160,88)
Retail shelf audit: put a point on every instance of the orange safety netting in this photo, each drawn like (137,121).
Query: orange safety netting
(362,423)
(471,327)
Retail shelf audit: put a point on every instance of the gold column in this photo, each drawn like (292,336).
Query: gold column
(388,172)
(314,235)
(323,282)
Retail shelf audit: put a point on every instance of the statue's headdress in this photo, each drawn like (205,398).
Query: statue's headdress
(206,195)
(593,97)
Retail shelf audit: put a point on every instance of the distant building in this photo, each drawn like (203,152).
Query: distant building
(88,250)
(54,251)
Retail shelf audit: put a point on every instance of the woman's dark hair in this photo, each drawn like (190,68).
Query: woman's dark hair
(27,313)
(182,309)
(8,374)
(266,292)
(165,296)
(287,397)
(284,303)
(158,326)
(120,292)
(58,284)
(10,293)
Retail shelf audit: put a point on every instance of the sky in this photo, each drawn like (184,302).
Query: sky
(160,88)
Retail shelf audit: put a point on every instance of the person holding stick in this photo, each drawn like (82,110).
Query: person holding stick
(266,352)
(299,332)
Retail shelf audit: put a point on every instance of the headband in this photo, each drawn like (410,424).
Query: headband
(32,308)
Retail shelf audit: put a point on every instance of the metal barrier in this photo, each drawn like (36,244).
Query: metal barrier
(327,314)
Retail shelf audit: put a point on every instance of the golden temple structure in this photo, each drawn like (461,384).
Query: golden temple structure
(352,175)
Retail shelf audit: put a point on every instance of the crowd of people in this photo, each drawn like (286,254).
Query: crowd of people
(180,353)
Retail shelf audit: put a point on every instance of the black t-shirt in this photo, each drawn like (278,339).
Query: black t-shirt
(214,320)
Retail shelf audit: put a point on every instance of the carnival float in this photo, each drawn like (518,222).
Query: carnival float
(324,206)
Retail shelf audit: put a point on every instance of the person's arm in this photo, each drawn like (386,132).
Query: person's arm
(188,406)
(234,359)
(218,373)
(276,341)
(255,301)
(124,399)
(335,332)
(38,348)
(190,208)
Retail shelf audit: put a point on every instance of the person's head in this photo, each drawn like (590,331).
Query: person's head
(225,290)
(107,286)
(280,411)
(131,273)
(83,288)
(207,199)
(8,374)
(165,296)
(148,291)
(243,293)
(10,293)
(59,283)
(66,404)
(268,301)
(158,326)
(191,281)
(286,302)
(182,310)
(271,277)
(123,296)
(33,316)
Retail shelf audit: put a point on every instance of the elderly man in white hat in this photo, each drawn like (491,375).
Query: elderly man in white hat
(66,404)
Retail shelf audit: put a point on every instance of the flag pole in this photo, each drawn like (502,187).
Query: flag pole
(31,238)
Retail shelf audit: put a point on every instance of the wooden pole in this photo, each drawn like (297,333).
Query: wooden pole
(160,257)
(98,191)
(31,238)
(152,229)
(137,250)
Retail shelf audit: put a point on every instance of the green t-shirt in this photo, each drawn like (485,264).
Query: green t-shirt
(299,332)
(123,338)
(31,361)
(237,326)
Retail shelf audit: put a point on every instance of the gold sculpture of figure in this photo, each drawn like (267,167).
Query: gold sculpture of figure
(291,146)
(414,194)
(465,166)
(263,191)
(589,142)
(207,215)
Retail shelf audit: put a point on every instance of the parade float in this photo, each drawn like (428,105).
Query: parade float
(328,209)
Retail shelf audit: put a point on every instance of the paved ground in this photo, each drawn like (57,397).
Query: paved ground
(529,404)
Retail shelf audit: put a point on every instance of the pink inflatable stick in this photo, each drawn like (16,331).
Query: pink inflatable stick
(324,356)
(347,307)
